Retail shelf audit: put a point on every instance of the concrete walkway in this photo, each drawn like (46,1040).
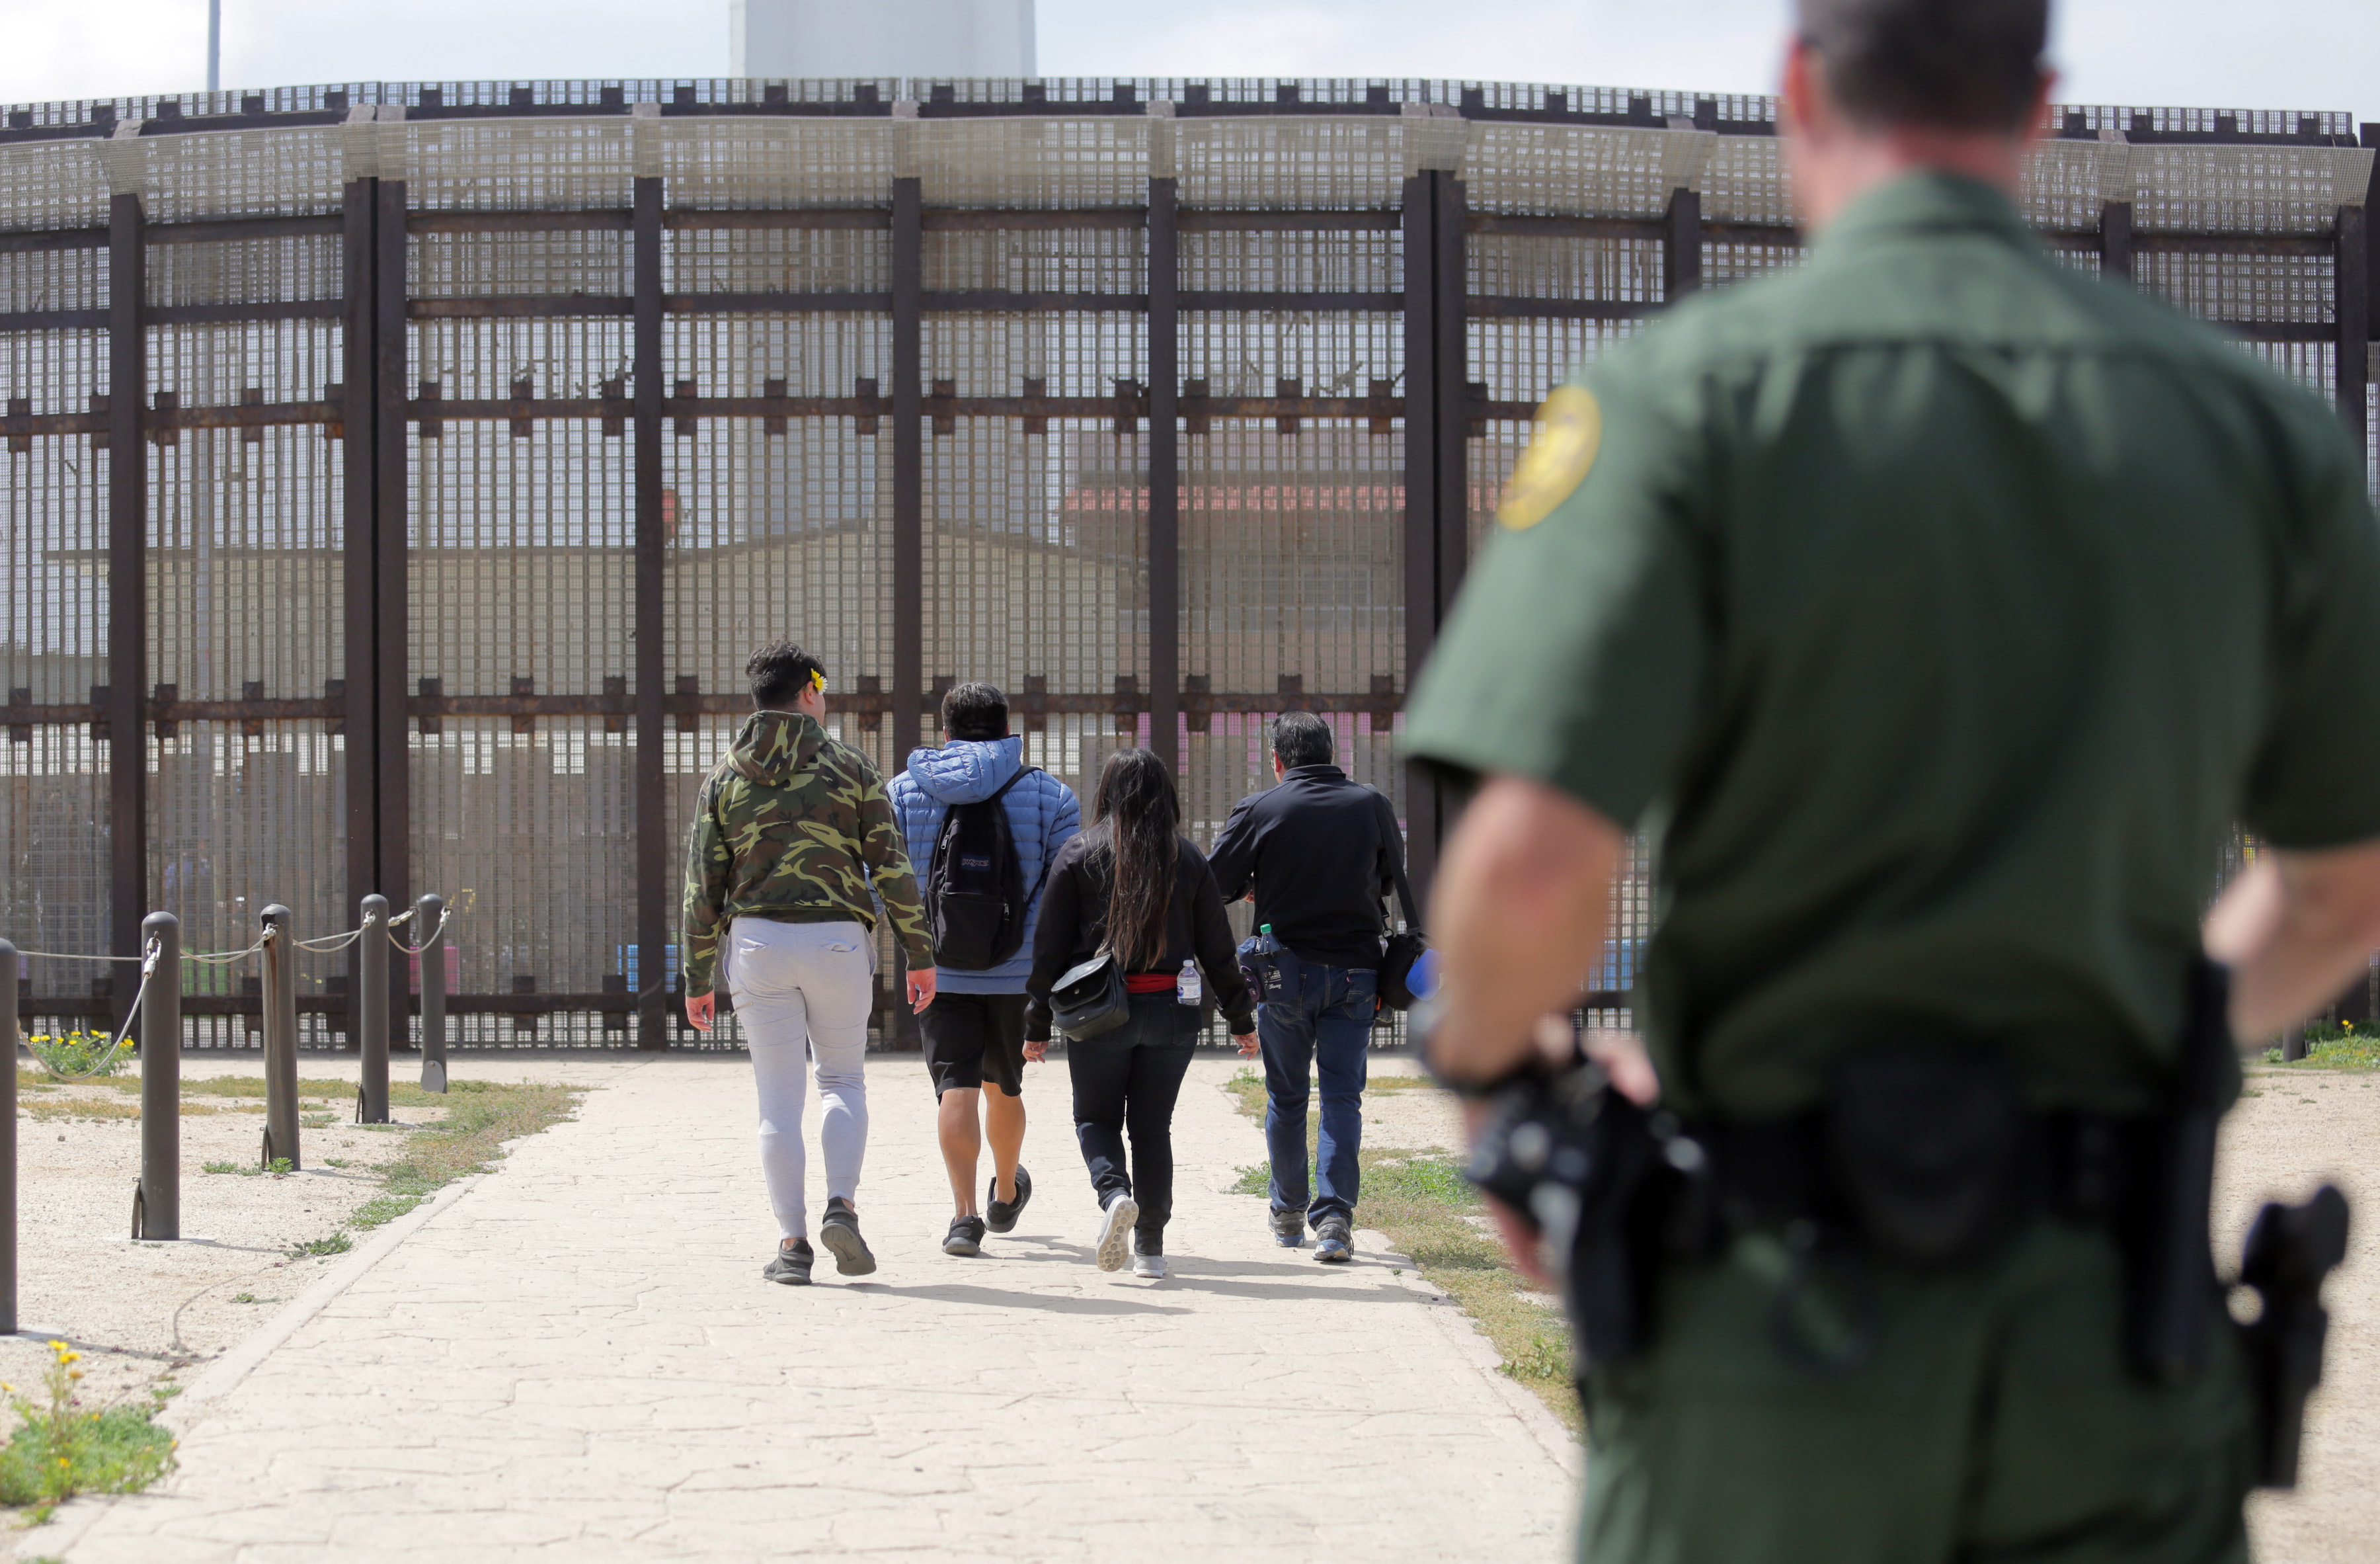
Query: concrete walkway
(575,1357)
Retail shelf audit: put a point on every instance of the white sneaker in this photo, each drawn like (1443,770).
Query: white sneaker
(1149,1265)
(1115,1230)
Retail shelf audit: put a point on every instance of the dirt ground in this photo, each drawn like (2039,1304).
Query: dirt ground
(141,1311)
(2293,1131)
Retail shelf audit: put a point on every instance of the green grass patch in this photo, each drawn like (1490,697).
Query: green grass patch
(241,1168)
(2334,1045)
(61,1448)
(480,1117)
(381,1209)
(321,1248)
(249,1086)
(1431,1212)
(73,1053)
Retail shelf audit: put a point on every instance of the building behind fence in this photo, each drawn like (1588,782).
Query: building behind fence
(397,475)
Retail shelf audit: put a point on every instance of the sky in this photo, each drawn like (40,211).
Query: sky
(2294,54)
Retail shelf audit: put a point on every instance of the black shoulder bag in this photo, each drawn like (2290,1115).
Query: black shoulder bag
(1403,949)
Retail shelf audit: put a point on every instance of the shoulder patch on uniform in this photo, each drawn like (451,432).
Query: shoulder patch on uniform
(1570,431)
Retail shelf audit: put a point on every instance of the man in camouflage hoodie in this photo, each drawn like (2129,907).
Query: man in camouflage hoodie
(789,831)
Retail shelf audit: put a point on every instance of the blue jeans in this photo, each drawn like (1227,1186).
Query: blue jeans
(1323,1018)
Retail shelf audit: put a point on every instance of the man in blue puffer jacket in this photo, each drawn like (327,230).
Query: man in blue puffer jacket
(974,1029)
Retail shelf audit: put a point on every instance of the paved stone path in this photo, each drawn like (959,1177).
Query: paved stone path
(577,1357)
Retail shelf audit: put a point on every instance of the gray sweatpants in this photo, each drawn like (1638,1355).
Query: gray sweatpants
(805,987)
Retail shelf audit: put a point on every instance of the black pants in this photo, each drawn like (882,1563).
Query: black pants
(1127,1082)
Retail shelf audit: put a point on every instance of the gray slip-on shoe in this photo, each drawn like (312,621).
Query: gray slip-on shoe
(840,1234)
(791,1266)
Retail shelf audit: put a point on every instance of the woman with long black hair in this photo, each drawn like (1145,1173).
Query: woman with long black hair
(1134,890)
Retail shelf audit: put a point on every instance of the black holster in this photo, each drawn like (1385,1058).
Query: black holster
(1925,1157)
(2288,1251)
(1595,1173)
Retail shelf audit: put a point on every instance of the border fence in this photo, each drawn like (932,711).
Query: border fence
(398,474)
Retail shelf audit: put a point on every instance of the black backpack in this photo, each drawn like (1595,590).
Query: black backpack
(975,898)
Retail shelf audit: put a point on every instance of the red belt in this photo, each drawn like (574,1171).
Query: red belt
(1148,982)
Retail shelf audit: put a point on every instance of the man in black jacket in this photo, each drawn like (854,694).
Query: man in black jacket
(1322,852)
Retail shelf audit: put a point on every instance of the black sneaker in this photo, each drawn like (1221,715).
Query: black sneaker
(791,1266)
(1288,1227)
(1001,1215)
(840,1233)
(965,1237)
(1330,1245)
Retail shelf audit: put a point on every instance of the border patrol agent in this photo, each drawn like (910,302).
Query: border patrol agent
(1940,610)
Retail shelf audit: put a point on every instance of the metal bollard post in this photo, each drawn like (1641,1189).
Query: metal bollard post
(8,1144)
(280,1038)
(428,913)
(371,1013)
(157,1200)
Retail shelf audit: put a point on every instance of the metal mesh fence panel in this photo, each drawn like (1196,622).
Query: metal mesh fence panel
(509,489)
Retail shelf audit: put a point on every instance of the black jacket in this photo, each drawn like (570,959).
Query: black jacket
(1322,852)
(1075,920)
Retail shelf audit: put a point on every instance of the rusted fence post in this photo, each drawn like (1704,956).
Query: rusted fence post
(280,1038)
(429,916)
(371,1012)
(157,1200)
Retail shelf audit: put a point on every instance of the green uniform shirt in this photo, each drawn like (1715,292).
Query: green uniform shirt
(1941,610)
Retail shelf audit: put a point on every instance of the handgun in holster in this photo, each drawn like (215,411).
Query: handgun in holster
(1590,1169)
(2174,1294)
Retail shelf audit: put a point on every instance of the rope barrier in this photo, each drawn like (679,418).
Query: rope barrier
(58,956)
(434,936)
(225,958)
(131,1018)
(329,943)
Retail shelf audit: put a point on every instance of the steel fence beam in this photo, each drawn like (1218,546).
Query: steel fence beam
(1420,539)
(908,516)
(1164,473)
(1681,246)
(127,585)
(2352,283)
(157,1202)
(2371,251)
(391,515)
(652,851)
(1449,283)
(2117,242)
(908,467)
(360,496)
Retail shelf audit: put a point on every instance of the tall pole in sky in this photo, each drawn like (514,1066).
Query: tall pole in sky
(214,45)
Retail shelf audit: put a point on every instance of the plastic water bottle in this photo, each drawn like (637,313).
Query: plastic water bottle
(1187,990)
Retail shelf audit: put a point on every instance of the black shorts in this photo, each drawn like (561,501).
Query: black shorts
(972,1038)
